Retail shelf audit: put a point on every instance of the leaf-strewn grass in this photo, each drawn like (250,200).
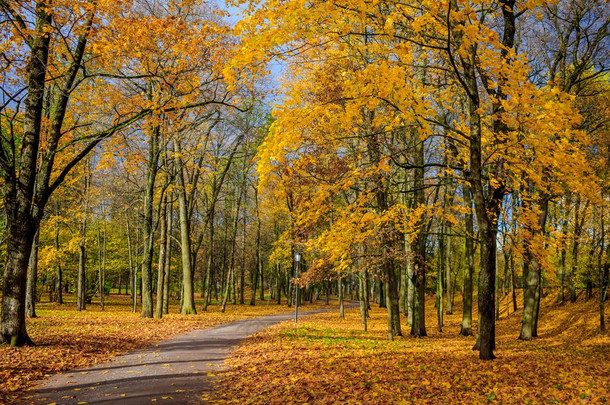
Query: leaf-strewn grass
(332,361)
(67,339)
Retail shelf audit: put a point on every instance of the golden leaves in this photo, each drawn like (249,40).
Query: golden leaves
(329,360)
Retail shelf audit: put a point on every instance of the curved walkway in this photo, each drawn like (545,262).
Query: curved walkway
(177,371)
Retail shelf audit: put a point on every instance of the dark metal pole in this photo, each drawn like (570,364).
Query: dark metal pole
(297,258)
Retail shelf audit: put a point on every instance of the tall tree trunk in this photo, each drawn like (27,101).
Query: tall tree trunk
(513,290)
(168,255)
(532,291)
(254,282)
(466,329)
(257,266)
(31,293)
(341,305)
(418,279)
(210,264)
(362,284)
(233,248)
(133,272)
(58,271)
(162,252)
(100,272)
(579,220)
(388,236)
(81,288)
(23,217)
(439,279)
(242,271)
(149,229)
(188,295)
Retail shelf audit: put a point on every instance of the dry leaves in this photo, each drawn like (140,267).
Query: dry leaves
(68,339)
(328,360)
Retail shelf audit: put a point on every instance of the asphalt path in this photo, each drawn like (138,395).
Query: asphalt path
(180,370)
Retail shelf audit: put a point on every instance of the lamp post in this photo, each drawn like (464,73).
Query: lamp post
(297,259)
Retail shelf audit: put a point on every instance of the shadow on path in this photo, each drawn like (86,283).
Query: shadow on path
(177,371)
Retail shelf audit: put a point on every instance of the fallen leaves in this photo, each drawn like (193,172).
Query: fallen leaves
(328,360)
(68,339)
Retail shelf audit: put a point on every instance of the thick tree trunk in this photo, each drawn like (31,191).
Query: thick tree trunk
(23,217)
(418,279)
(19,246)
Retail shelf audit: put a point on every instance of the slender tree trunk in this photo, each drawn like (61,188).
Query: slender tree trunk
(258,250)
(603,293)
(162,252)
(58,270)
(210,264)
(579,219)
(242,272)
(168,255)
(81,289)
(363,303)
(466,329)
(279,284)
(100,273)
(341,305)
(233,248)
(439,280)
(133,272)
(149,229)
(188,295)
(31,293)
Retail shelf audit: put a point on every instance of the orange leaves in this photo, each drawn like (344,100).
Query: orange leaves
(329,360)
(68,339)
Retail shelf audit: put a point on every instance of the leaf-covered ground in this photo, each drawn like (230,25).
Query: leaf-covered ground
(67,339)
(332,361)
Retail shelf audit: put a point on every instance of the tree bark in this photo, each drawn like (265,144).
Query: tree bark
(418,279)
(162,252)
(532,291)
(58,271)
(210,263)
(23,217)
(168,256)
(188,294)
(81,289)
(466,329)
(31,291)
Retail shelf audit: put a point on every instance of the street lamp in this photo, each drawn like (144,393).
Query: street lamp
(297,259)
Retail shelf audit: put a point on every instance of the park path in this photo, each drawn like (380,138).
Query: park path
(175,371)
